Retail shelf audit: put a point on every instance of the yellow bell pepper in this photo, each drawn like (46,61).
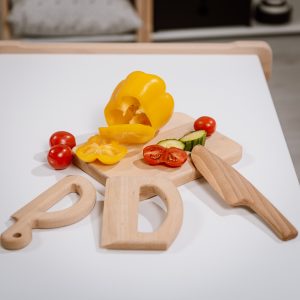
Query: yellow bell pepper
(138,107)
(128,133)
(98,149)
(139,99)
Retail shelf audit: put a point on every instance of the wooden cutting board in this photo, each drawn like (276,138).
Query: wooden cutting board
(133,163)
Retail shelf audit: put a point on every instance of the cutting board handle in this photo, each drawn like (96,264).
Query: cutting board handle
(35,215)
(120,214)
(238,191)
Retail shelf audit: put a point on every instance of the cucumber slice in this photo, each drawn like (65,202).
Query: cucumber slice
(194,138)
(168,143)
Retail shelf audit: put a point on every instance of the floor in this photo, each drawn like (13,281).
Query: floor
(285,90)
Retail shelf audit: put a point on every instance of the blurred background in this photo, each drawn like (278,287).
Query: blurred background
(274,21)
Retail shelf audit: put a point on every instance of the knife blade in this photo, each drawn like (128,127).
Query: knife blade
(236,190)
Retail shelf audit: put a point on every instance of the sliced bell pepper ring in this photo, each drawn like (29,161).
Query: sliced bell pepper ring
(140,99)
(108,154)
(128,133)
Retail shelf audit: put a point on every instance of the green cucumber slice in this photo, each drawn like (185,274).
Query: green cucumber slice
(168,143)
(194,138)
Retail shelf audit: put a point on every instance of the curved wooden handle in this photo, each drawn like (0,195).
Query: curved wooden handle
(34,215)
(120,215)
(17,236)
(73,214)
(238,191)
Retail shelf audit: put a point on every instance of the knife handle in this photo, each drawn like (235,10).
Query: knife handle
(238,191)
(34,214)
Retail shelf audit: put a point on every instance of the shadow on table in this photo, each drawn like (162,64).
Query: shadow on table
(151,214)
(222,209)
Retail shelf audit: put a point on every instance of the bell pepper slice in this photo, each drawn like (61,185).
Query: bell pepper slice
(141,98)
(108,154)
(97,139)
(128,133)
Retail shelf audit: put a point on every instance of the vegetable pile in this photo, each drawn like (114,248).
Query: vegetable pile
(138,108)
(171,152)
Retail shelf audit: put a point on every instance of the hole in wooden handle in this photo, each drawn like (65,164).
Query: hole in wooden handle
(35,215)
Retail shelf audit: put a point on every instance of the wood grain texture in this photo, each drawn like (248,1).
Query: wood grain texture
(144,9)
(259,48)
(4,11)
(35,215)
(236,190)
(133,163)
(120,214)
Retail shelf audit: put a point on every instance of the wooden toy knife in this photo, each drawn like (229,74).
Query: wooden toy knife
(236,190)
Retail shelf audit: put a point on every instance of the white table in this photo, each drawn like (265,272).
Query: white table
(220,252)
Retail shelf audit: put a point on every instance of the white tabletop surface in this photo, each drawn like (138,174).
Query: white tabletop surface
(220,252)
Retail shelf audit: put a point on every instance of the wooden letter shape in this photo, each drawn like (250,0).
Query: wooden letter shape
(120,215)
(34,215)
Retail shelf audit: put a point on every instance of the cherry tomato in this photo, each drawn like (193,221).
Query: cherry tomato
(172,157)
(205,123)
(60,157)
(154,154)
(175,157)
(62,137)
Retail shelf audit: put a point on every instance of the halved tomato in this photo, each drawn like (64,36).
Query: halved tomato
(172,157)
(175,157)
(154,154)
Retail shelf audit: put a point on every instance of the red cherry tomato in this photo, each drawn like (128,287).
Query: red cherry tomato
(172,157)
(60,157)
(205,123)
(154,154)
(175,157)
(62,137)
